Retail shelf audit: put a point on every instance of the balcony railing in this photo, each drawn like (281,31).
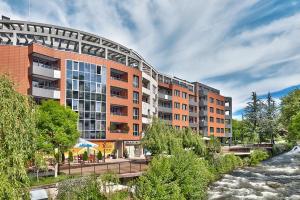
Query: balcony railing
(118,79)
(45,92)
(52,72)
(118,114)
(118,96)
(119,131)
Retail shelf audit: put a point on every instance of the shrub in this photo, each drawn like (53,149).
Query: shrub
(70,156)
(85,156)
(80,189)
(279,148)
(99,155)
(257,156)
(180,176)
(225,163)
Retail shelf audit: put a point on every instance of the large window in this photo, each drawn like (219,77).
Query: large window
(86,94)
(136,130)
(135,113)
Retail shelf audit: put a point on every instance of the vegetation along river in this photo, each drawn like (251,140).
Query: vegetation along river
(276,178)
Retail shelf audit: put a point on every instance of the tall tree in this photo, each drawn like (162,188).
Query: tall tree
(17,140)
(290,106)
(271,117)
(252,114)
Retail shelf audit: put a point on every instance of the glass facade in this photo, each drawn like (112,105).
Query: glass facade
(86,94)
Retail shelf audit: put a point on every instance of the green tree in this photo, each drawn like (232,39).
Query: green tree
(269,123)
(17,140)
(39,163)
(70,156)
(238,131)
(290,106)
(252,115)
(161,138)
(294,129)
(57,127)
(180,176)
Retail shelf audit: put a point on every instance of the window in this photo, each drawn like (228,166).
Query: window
(98,106)
(69,64)
(184,106)
(75,85)
(136,130)
(211,100)
(75,66)
(222,130)
(135,113)
(218,130)
(218,120)
(135,97)
(135,81)
(211,129)
(211,109)
(177,93)
(184,117)
(177,117)
(177,105)
(184,95)
(75,104)
(211,119)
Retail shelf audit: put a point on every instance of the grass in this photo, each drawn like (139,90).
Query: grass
(49,180)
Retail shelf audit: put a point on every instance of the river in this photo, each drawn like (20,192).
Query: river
(276,178)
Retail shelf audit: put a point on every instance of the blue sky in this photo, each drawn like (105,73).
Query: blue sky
(235,46)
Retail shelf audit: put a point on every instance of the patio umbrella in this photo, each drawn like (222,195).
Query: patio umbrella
(82,143)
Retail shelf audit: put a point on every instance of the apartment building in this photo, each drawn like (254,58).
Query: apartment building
(215,112)
(114,90)
(177,102)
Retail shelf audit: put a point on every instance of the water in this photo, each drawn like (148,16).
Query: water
(276,178)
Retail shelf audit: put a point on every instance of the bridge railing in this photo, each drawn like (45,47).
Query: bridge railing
(123,167)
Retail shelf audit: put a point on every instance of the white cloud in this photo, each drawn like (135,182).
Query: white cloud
(196,40)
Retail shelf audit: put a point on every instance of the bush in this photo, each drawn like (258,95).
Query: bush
(257,156)
(279,148)
(80,189)
(180,176)
(70,156)
(85,156)
(224,164)
(99,155)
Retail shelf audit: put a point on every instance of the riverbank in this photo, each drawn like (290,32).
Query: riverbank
(275,178)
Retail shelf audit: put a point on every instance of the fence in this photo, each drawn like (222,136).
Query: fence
(124,167)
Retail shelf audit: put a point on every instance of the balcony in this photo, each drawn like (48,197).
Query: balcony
(203,112)
(45,92)
(165,109)
(45,71)
(203,102)
(118,75)
(227,117)
(164,96)
(118,110)
(193,114)
(193,124)
(118,92)
(203,123)
(116,127)
(192,102)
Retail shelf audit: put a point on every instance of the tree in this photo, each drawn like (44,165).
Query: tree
(294,129)
(238,131)
(161,138)
(180,176)
(39,163)
(270,119)
(252,115)
(17,140)
(99,155)
(57,127)
(290,106)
